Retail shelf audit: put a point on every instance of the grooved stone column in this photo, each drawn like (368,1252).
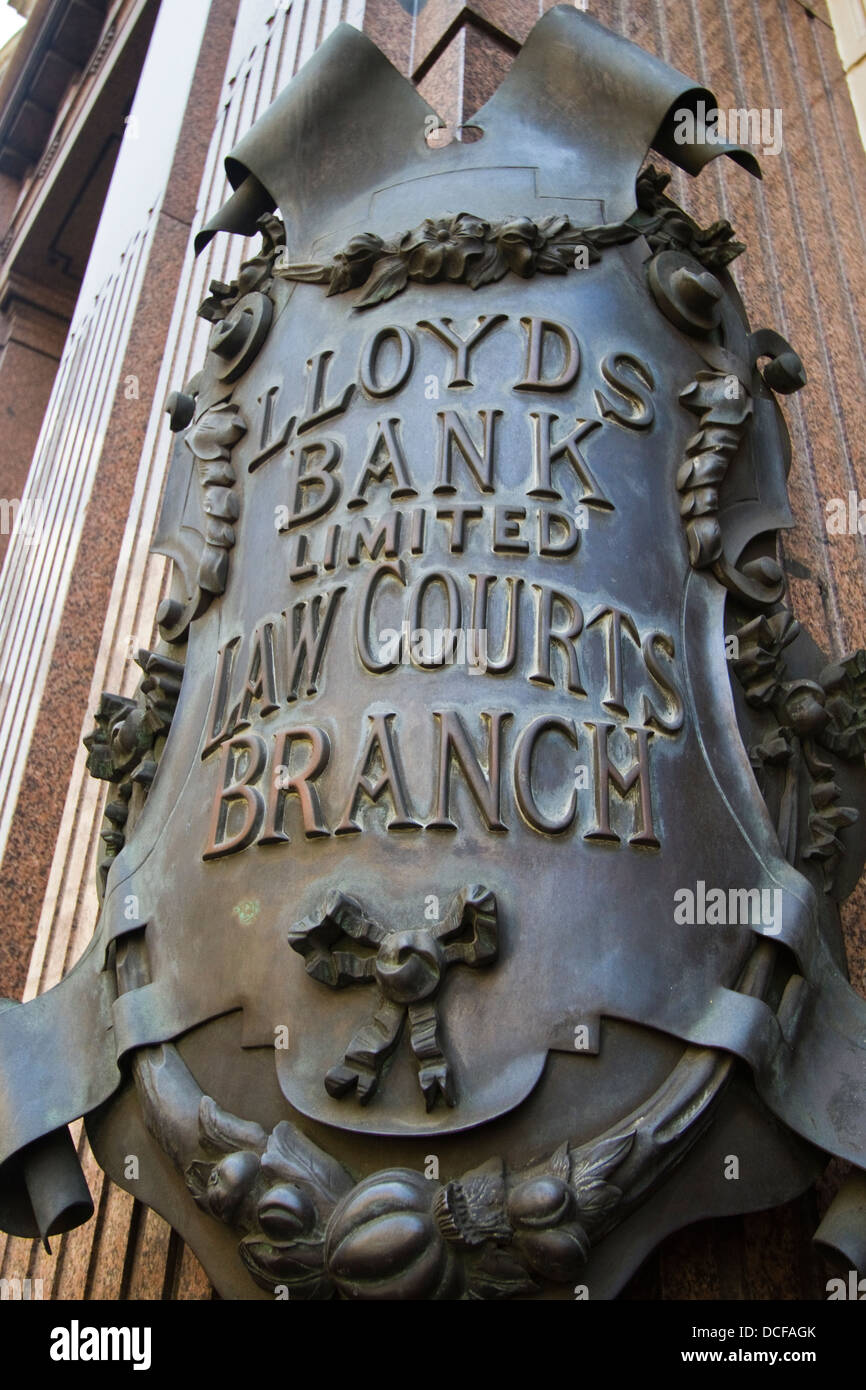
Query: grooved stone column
(31,341)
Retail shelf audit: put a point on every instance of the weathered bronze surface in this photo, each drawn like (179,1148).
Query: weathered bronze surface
(476,835)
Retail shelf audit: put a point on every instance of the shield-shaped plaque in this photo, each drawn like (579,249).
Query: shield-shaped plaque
(478,827)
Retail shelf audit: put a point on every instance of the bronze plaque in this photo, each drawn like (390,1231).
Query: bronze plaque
(476,834)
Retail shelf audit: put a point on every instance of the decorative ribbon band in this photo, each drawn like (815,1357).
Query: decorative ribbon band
(408,967)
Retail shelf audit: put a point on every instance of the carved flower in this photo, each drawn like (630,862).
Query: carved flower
(353,266)
(519,242)
(444,246)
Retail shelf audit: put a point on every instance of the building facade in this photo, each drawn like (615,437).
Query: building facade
(115,118)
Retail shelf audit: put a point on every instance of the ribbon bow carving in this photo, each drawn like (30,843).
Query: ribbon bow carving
(408,966)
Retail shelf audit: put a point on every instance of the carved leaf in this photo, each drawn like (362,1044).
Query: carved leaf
(600,1159)
(273,231)
(227,1133)
(554,226)
(300,1266)
(714,245)
(610,234)
(487,267)
(310,272)
(291,1157)
(651,183)
(598,1198)
(389,277)
(560,1163)
(341,279)
(499,1274)
(220,296)
(556,260)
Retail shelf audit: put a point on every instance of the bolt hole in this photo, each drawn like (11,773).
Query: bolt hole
(445,134)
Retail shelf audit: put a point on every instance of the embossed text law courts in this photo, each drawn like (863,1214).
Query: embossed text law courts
(475,671)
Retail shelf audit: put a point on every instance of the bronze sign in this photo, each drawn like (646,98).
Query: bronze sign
(475,837)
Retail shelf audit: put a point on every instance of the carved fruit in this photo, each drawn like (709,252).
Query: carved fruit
(382,1241)
(230,1181)
(540,1202)
(556,1254)
(286,1213)
(541,1211)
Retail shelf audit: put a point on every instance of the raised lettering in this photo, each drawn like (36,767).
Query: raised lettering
(381,745)
(303,478)
(454,431)
(480,621)
(261,680)
(369,370)
(307,632)
(231,791)
(607,775)
(454,742)
(461,347)
(546,635)
(315,411)
(524,794)
(545,453)
(537,331)
(285,783)
(363,614)
(616,368)
(650,716)
(385,442)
